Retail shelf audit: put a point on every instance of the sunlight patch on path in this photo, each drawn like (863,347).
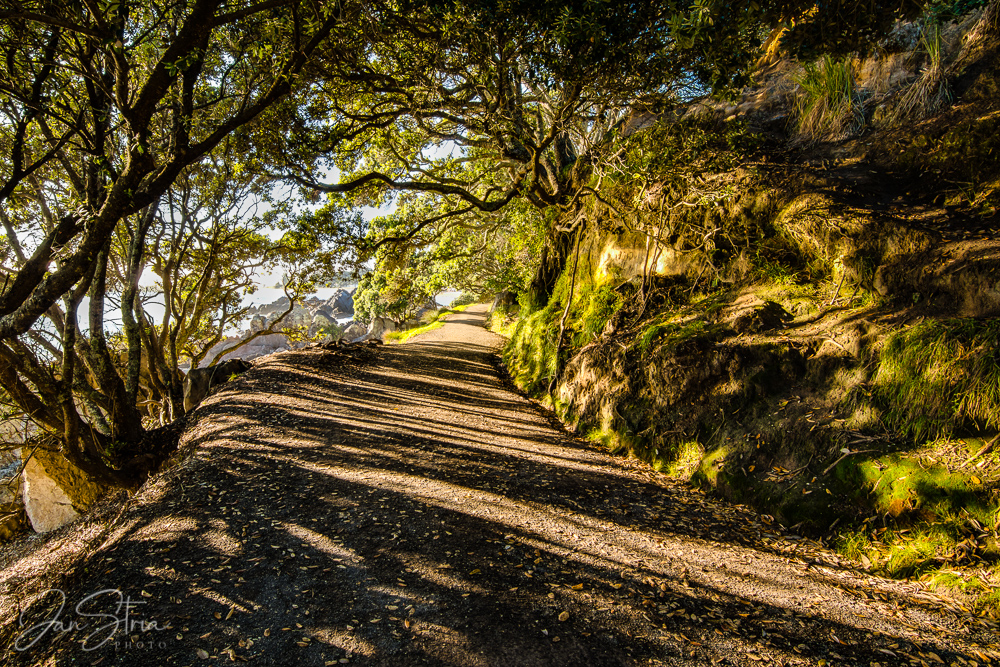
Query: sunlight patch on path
(583,538)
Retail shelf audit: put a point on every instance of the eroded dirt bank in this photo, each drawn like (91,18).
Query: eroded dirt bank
(399,506)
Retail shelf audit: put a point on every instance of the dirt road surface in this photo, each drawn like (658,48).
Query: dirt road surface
(400,505)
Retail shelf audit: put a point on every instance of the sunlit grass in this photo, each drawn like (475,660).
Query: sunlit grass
(939,377)
(684,461)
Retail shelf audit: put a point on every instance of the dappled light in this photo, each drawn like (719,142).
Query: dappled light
(736,399)
(404,507)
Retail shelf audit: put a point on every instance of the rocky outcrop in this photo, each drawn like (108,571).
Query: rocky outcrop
(315,317)
(342,302)
(55,491)
(322,322)
(299,317)
(275,308)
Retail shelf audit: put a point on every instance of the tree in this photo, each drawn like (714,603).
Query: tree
(396,290)
(210,241)
(477,103)
(104,106)
(483,103)
(480,255)
(480,105)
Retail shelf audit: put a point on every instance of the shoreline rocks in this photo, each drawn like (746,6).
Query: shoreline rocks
(313,315)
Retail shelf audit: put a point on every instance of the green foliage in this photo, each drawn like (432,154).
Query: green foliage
(392,292)
(464,299)
(670,152)
(93,168)
(494,256)
(770,270)
(943,11)
(669,333)
(990,601)
(597,308)
(683,462)
(928,511)
(840,27)
(828,106)
(911,488)
(941,377)
(531,351)
(854,543)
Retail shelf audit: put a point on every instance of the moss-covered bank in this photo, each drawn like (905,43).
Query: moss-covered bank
(781,334)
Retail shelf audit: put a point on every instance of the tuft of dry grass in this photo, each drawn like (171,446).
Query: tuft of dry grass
(881,74)
(931,91)
(828,105)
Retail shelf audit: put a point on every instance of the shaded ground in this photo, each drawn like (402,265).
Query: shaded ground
(400,506)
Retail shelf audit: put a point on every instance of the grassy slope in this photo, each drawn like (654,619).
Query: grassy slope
(826,385)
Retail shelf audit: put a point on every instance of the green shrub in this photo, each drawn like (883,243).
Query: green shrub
(530,353)
(943,11)
(594,310)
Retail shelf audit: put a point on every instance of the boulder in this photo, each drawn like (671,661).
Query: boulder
(55,491)
(324,309)
(258,323)
(342,302)
(321,319)
(227,342)
(200,381)
(267,310)
(299,317)
(275,307)
(381,326)
(354,330)
(258,347)
(322,323)
(274,341)
(377,326)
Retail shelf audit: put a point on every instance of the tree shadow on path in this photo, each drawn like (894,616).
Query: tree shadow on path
(400,506)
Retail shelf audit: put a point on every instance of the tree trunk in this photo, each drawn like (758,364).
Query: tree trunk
(555,253)
(130,301)
(124,417)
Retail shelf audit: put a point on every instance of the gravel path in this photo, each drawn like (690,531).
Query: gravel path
(400,505)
